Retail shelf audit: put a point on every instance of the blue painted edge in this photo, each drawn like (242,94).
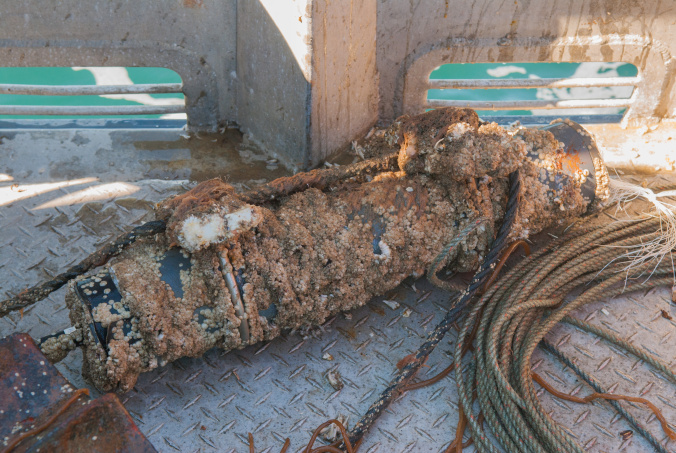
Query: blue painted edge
(88,123)
(546,119)
(149,123)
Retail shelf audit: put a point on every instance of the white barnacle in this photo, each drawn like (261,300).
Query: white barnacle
(385,252)
(458,129)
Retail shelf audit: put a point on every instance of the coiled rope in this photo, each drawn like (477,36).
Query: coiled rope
(512,318)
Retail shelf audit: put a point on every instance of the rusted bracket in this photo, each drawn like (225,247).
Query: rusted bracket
(41,411)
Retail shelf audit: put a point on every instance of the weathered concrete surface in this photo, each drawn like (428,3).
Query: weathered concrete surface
(306,77)
(196,38)
(273,74)
(345,79)
(415,37)
(637,149)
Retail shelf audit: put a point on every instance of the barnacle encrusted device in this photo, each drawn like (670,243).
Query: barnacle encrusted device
(229,272)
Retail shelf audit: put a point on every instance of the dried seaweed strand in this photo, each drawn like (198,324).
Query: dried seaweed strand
(607,396)
(322,449)
(505,257)
(343,431)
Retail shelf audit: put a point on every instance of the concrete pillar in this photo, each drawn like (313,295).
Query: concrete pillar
(306,70)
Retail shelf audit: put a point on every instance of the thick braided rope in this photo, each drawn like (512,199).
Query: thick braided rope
(513,317)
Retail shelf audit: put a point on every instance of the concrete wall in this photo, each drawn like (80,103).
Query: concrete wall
(273,76)
(307,80)
(344,76)
(414,37)
(196,38)
(298,75)
(306,77)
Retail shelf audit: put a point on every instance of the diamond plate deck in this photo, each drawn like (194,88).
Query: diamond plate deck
(280,389)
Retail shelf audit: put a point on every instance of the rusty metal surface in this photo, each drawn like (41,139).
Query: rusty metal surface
(29,385)
(280,389)
(100,425)
(33,392)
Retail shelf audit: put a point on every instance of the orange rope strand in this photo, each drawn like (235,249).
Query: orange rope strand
(607,396)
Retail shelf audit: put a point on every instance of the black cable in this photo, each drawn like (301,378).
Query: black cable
(406,374)
(98,258)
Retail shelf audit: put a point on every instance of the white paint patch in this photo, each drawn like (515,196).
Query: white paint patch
(586,70)
(112,75)
(502,71)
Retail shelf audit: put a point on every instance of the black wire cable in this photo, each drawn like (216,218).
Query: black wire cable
(98,258)
(406,374)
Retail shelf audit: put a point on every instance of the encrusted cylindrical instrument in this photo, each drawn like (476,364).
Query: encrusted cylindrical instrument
(229,272)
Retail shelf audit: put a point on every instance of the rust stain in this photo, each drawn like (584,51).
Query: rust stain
(378,310)
(193,3)
(350,333)
(573,161)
